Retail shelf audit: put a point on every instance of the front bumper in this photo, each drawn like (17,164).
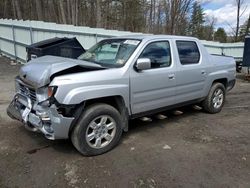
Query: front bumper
(38,118)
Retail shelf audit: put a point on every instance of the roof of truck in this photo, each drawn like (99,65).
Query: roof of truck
(150,37)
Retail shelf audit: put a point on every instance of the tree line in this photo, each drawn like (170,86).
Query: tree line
(178,17)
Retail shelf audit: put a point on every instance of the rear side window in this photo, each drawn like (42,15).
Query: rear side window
(188,52)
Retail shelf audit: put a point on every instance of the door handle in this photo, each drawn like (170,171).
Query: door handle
(203,72)
(171,76)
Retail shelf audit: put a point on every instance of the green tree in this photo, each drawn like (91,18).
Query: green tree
(245,29)
(197,20)
(220,35)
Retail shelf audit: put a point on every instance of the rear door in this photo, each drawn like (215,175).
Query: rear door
(154,88)
(191,71)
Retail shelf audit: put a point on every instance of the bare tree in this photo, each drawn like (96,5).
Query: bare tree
(5,8)
(14,9)
(18,9)
(98,14)
(239,4)
(176,12)
(62,12)
(69,12)
(76,11)
(153,16)
(150,21)
(73,10)
(159,17)
(39,10)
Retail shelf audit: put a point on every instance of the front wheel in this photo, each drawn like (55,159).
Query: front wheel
(98,130)
(215,99)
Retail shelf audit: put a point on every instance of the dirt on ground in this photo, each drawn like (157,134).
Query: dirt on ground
(194,149)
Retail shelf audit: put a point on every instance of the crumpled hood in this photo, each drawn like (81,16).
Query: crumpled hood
(38,72)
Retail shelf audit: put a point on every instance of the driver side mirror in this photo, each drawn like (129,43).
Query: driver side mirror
(143,64)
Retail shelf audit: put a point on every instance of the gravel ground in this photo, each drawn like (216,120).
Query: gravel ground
(194,149)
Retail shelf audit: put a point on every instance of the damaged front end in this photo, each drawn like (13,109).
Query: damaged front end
(34,103)
(33,107)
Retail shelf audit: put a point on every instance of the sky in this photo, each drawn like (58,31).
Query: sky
(225,12)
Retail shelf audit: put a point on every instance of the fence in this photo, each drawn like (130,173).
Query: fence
(229,49)
(15,35)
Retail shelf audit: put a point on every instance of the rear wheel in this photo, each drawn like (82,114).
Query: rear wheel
(98,130)
(215,99)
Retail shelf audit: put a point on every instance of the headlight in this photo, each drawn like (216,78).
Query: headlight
(44,94)
(51,91)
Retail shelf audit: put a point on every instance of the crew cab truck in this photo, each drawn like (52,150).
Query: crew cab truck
(91,99)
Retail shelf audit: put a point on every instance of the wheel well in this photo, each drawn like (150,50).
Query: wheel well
(223,81)
(116,101)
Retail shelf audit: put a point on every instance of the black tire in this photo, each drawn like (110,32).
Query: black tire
(208,104)
(79,137)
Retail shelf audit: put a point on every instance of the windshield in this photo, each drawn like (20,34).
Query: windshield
(111,52)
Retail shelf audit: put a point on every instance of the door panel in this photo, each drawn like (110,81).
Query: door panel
(153,88)
(190,74)
(190,83)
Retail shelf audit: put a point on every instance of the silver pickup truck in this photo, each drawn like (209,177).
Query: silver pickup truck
(90,100)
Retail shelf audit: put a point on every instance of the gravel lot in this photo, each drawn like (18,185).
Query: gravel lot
(194,149)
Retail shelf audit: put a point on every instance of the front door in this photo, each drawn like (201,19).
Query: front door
(153,88)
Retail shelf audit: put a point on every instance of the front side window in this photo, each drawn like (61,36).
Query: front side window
(188,52)
(111,52)
(158,53)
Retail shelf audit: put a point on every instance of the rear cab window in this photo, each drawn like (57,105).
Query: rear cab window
(188,52)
